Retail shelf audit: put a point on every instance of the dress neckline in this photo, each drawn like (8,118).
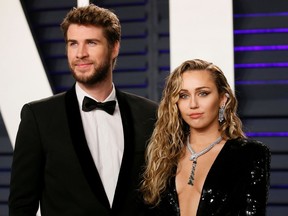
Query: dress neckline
(206,181)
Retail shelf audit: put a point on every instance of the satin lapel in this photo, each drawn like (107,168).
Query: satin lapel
(82,149)
(127,160)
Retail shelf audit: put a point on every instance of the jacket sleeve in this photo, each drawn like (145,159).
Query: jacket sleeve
(27,167)
(258,180)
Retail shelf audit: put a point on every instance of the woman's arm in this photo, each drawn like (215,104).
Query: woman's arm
(258,183)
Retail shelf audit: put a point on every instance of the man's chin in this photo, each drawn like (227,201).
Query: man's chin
(91,81)
(90,77)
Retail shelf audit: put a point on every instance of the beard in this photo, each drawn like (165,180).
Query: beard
(99,74)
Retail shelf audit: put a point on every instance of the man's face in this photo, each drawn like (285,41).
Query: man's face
(89,55)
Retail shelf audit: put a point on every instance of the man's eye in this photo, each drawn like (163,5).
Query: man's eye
(72,44)
(92,43)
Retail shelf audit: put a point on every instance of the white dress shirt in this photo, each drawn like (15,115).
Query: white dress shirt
(105,138)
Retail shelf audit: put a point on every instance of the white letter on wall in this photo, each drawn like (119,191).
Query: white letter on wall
(22,76)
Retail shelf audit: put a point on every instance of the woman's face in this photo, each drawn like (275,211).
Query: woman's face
(199,100)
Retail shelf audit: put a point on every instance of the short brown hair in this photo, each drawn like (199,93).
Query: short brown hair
(97,16)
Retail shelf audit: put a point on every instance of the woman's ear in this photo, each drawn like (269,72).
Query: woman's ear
(227,96)
(224,100)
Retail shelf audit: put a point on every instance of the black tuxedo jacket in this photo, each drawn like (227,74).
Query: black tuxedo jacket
(52,162)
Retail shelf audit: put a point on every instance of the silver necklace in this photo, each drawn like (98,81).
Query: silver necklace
(195,155)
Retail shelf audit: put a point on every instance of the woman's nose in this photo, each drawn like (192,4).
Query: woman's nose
(193,103)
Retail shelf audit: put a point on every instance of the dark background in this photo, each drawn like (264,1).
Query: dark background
(261,70)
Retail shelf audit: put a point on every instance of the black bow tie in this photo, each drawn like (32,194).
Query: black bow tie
(90,104)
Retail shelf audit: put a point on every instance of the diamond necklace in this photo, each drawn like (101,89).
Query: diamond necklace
(195,155)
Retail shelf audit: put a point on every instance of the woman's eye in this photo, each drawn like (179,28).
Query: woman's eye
(204,93)
(183,96)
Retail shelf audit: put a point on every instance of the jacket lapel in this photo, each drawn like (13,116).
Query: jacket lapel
(81,147)
(127,159)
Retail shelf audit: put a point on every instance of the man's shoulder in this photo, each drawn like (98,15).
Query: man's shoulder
(49,99)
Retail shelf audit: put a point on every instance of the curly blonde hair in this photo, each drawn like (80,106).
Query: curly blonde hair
(166,144)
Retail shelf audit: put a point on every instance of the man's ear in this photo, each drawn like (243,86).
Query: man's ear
(115,51)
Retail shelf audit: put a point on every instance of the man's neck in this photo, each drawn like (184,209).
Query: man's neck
(99,91)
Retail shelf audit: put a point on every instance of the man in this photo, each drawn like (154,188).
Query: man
(71,154)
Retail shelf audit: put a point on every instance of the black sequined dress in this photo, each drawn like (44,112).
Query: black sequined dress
(236,185)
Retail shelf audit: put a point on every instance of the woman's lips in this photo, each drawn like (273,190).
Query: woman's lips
(195,115)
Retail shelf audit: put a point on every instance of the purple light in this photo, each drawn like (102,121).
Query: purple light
(261,31)
(260,48)
(279,186)
(262,65)
(267,134)
(262,82)
(261,15)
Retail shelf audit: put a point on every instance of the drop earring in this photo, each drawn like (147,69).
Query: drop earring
(221,113)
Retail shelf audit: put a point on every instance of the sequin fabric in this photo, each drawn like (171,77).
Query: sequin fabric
(237,183)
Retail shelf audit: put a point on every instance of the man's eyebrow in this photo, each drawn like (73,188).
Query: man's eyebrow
(71,40)
(87,40)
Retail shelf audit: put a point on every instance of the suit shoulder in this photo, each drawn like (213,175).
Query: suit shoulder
(48,104)
(47,100)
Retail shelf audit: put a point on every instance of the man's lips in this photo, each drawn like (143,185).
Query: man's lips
(83,64)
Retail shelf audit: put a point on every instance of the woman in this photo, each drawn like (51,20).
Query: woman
(199,161)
